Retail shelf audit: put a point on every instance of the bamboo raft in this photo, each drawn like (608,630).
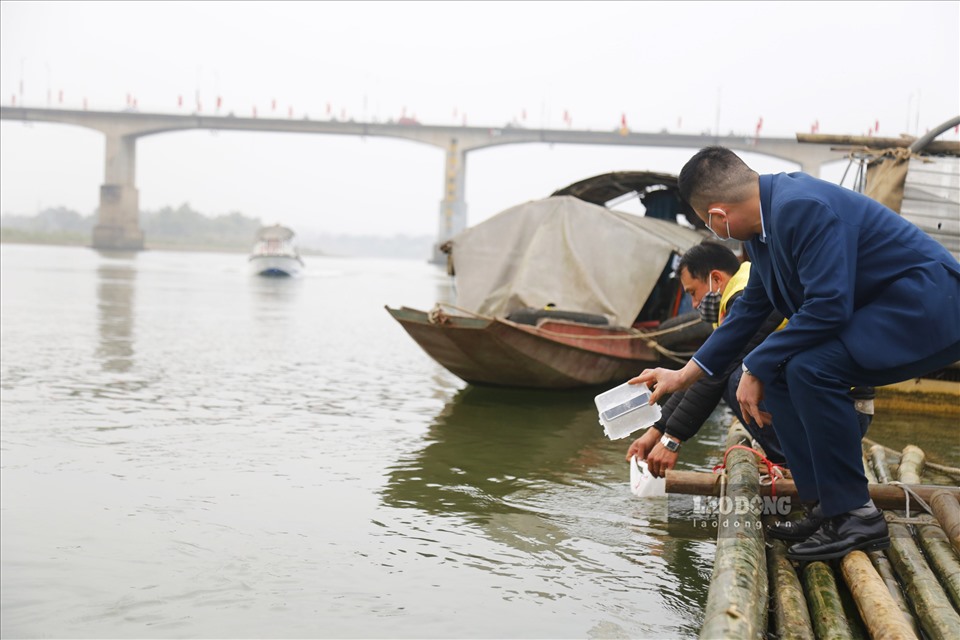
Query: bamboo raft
(911,590)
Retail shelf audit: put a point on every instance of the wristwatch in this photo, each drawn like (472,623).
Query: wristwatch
(743,366)
(669,443)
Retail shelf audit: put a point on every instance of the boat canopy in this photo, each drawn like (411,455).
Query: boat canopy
(657,193)
(567,252)
(275,232)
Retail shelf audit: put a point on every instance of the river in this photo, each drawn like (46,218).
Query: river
(189,451)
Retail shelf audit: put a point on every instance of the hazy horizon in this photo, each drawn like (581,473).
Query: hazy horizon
(682,67)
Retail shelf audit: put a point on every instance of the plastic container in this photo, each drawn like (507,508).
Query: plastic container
(625,409)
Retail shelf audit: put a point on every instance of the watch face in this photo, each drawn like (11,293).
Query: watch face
(670,444)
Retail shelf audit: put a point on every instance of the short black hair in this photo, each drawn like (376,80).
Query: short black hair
(715,174)
(701,259)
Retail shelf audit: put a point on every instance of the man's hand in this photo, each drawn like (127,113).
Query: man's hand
(661,460)
(642,445)
(665,381)
(750,395)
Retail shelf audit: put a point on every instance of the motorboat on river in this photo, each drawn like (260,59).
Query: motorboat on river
(275,253)
(564,292)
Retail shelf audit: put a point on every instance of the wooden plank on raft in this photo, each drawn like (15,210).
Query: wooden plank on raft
(878,609)
(884,496)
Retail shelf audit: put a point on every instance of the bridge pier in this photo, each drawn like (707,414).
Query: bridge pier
(453,207)
(118,217)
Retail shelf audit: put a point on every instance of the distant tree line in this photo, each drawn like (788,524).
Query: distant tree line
(180,226)
(184,228)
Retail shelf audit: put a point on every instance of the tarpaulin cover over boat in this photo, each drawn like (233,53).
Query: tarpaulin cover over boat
(567,252)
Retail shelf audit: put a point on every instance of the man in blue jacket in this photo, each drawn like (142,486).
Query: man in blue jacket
(870,299)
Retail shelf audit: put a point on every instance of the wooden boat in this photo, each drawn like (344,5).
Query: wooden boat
(563,292)
(552,354)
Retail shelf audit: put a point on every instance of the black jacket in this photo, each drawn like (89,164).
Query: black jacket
(686,411)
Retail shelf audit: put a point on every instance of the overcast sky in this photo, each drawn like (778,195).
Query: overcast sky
(679,66)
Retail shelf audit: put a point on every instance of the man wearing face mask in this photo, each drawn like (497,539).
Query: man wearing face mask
(871,300)
(714,278)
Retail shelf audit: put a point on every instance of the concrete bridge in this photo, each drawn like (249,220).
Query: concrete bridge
(118,214)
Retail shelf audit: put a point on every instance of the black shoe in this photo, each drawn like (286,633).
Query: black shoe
(842,534)
(797,530)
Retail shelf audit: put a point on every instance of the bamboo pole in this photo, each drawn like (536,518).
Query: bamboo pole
(937,617)
(911,465)
(791,618)
(868,471)
(826,609)
(940,556)
(708,484)
(931,476)
(877,607)
(947,510)
(938,146)
(879,459)
(737,600)
(953,472)
(857,628)
(885,570)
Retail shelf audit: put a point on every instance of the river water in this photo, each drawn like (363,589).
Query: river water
(189,451)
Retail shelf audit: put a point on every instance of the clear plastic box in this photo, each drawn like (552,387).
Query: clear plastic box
(625,409)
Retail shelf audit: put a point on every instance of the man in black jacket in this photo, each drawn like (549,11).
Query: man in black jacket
(714,277)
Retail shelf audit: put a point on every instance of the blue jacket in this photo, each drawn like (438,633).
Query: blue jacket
(838,264)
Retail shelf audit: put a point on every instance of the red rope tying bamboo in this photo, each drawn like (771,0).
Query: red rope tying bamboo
(774,470)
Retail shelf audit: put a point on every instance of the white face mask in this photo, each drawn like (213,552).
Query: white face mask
(710,224)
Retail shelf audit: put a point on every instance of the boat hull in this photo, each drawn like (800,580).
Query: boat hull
(552,355)
(276,266)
